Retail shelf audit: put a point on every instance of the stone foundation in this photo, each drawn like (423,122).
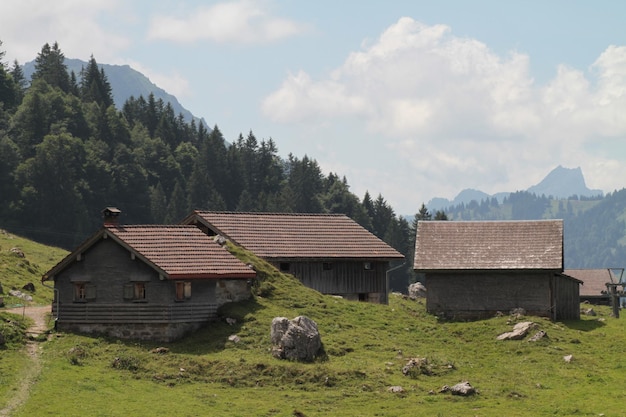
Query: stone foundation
(153,332)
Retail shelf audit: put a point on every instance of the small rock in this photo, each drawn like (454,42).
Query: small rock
(17,252)
(538,336)
(519,331)
(462,388)
(234,338)
(396,389)
(590,312)
(230,321)
(568,358)
(160,350)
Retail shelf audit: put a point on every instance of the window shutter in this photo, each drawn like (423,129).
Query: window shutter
(187,290)
(90,292)
(179,291)
(129,291)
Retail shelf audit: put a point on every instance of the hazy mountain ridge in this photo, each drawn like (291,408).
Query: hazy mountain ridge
(560,183)
(125,82)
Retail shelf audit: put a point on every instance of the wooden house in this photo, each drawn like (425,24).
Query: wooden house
(145,282)
(330,253)
(475,269)
(593,288)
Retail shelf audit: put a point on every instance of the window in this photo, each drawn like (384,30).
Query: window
(135,291)
(327,266)
(183,290)
(284,266)
(84,291)
(80,293)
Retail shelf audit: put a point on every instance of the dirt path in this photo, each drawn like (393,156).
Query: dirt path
(39,316)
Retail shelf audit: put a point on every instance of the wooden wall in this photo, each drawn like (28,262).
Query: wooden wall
(479,295)
(566,292)
(107,268)
(349,279)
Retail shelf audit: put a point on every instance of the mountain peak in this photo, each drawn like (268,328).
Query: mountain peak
(564,182)
(560,183)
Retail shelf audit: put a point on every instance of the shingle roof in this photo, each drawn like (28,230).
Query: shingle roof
(594,280)
(489,245)
(176,251)
(297,236)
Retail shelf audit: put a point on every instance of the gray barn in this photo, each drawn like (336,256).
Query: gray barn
(475,269)
(330,253)
(145,282)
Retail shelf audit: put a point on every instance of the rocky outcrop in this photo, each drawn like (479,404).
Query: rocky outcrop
(298,339)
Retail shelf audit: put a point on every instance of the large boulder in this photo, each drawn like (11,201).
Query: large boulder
(297,339)
(417,290)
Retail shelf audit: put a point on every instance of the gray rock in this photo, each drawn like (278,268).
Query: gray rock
(298,339)
(17,252)
(396,389)
(540,335)
(520,330)
(417,290)
(417,366)
(462,388)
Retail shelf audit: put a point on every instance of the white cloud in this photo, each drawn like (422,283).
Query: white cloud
(242,21)
(462,116)
(25,26)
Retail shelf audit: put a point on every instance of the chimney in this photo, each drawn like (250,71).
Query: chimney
(111,216)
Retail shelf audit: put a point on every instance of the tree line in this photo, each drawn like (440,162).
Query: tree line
(66,152)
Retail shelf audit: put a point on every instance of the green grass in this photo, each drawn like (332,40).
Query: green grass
(16,271)
(366,347)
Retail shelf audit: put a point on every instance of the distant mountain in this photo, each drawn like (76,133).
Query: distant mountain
(125,82)
(560,183)
(563,183)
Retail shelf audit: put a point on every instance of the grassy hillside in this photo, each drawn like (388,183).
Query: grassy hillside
(366,347)
(23,261)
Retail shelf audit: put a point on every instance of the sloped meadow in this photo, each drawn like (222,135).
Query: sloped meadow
(365,348)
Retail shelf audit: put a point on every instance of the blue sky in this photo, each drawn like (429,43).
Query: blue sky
(408,99)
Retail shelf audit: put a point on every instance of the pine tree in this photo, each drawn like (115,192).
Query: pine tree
(94,85)
(50,67)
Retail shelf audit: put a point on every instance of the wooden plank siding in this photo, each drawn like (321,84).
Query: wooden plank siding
(344,278)
(134,313)
(481,295)
(566,295)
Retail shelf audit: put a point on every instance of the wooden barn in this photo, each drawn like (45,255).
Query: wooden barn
(145,282)
(593,289)
(475,269)
(330,253)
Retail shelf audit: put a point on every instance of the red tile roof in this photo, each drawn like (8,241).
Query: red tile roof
(179,252)
(297,236)
(489,245)
(594,280)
